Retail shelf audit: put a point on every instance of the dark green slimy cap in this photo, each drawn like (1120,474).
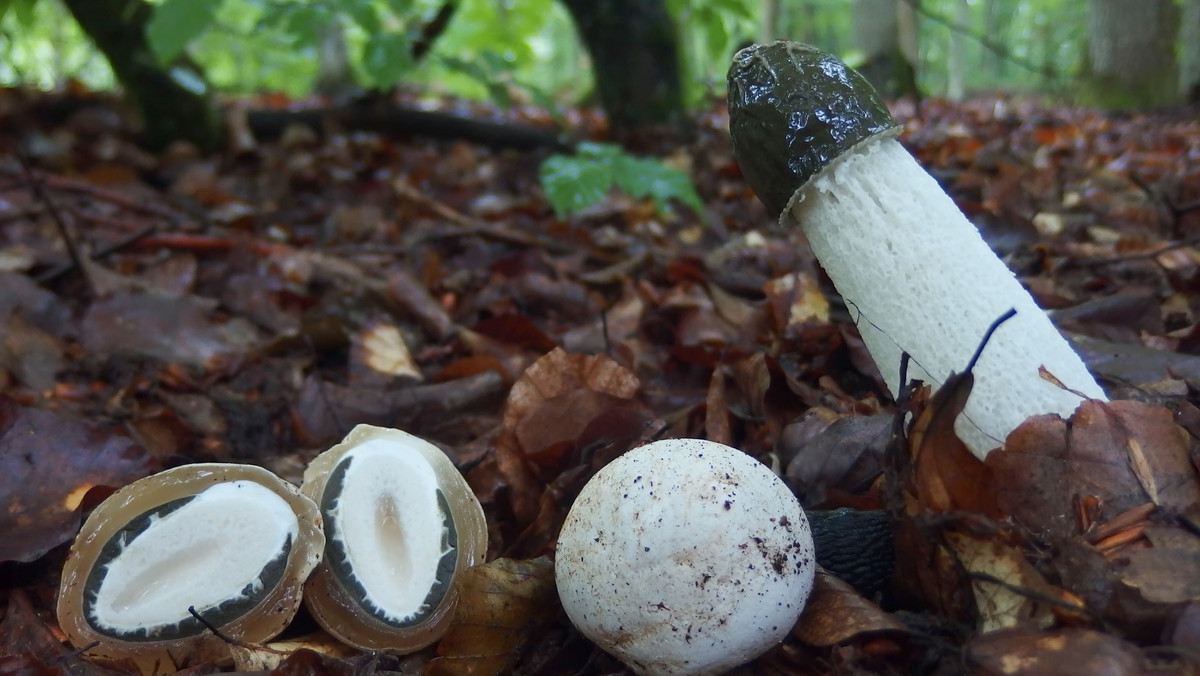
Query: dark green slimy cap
(793,109)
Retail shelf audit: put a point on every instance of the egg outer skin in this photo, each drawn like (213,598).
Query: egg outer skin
(267,619)
(329,602)
(685,556)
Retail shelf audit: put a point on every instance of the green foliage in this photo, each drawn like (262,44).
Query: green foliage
(41,45)
(514,53)
(386,57)
(23,10)
(709,32)
(176,23)
(575,182)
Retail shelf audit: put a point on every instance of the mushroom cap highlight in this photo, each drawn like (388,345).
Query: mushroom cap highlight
(793,110)
(685,556)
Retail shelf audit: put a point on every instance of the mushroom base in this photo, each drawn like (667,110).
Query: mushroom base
(918,278)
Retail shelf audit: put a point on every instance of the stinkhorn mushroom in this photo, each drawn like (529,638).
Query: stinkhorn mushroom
(401,524)
(819,148)
(169,557)
(684,556)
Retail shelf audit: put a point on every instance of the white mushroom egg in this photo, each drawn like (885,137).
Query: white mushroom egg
(231,544)
(685,556)
(400,523)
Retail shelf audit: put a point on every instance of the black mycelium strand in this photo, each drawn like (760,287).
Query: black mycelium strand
(338,560)
(188,625)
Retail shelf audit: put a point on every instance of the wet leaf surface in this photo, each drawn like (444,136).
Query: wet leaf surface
(48,464)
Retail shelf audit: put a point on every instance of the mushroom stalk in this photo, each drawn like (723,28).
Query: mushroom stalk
(819,148)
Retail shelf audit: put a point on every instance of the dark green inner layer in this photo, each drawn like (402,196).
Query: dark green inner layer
(338,561)
(219,615)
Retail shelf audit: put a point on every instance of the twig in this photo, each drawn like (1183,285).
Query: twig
(39,190)
(60,270)
(468,225)
(59,183)
(217,632)
(229,639)
(431,31)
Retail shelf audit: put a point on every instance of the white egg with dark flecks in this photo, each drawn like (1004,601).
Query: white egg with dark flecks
(685,556)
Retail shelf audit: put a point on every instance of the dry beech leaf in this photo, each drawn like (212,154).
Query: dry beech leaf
(22,632)
(845,455)
(752,378)
(48,463)
(835,614)
(1167,572)
(380,347)
(716,410)
(1019,652)
(947,477)
(795,299)
(501,604)
(174,328)
(1124,453)
(559,394)
(1002,606)
(270,656)
(305,662)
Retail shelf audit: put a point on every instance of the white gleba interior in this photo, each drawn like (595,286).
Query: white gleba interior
(202,554)
(918,278)
(390,526)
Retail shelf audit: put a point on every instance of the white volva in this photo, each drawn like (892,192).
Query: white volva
(918,278)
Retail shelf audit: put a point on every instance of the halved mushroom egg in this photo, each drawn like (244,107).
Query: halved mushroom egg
(400,524)
(229,543)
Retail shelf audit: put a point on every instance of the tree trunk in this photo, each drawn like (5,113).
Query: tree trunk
(1189,51)
(996,24)
(877,36)
(1131,53)
(635,58)
(768,22)
(170,107)
(956,85)
(335,78)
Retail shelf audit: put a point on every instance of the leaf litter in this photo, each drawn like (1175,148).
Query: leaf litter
(253,306)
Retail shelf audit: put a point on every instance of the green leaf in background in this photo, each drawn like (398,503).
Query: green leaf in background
(176,23)
(575,182)
(386,58)
(643,177)
(22,9)
(364,14)
(301,24)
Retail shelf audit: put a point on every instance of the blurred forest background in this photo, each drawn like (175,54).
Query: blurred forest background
(1113,53)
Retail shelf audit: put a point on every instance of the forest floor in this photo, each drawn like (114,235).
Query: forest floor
(251,307)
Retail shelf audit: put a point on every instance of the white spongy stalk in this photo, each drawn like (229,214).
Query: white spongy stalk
(918,278)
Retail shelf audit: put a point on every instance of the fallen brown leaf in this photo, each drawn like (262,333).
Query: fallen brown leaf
(1022,652)
(48,463)
(501,604)
(1123,453)
(836,614)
